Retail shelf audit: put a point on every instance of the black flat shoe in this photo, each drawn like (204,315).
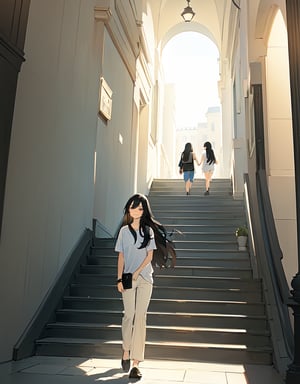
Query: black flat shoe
(125,365)
(135,373)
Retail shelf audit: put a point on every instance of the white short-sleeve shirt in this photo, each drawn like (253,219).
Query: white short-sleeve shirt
(133,256)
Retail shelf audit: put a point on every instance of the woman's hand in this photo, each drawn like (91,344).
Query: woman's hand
(146,261)
(120,287)
(135,275)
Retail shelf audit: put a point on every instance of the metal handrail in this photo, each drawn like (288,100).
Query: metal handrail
(274,250)
(274,256)
(267,256)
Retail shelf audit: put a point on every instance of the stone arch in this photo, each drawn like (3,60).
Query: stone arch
(266,14)
(187,27)
(212,124)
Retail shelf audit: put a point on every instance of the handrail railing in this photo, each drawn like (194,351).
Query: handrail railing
(274,250)
(267,256)
(274,256)
(99,230)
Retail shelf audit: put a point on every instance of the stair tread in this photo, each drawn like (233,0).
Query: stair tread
(62,340)
(200,267)
(210,289)
(223,278)
(205,242)
(162,327)
(210,250)
(161,275)
(203,301)
(191,314)
(88,269)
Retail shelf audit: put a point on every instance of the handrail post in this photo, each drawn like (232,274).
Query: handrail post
(293,26)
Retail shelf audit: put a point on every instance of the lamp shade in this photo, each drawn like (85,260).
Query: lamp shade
(188,13)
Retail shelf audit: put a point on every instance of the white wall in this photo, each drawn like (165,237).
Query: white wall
(280,145)
(169,161)
(54,189)
(126,160)
(114,182)
(146,164)
(49,190)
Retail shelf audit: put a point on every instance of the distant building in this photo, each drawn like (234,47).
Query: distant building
(210,131)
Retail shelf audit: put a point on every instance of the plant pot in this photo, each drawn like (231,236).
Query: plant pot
(242,242)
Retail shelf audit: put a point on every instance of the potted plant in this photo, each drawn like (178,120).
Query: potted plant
(242,237)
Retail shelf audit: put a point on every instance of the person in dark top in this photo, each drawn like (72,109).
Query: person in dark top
(186,166)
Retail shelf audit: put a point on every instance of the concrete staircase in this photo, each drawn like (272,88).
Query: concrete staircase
(208,308)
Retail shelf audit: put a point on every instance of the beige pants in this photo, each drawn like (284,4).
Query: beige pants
(136,302)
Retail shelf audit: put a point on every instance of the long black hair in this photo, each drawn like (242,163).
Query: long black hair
(186,153)
(147,220)
(210,156)
(165,250)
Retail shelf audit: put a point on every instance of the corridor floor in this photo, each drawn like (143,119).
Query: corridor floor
(61,370)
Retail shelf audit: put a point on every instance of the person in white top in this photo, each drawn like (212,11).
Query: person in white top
(135,245)
(208,161)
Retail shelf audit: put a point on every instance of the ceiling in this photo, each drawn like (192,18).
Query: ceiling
(212,19)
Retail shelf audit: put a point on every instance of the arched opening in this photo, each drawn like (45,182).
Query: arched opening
(191,73)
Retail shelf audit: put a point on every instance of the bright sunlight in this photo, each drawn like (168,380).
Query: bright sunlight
(190,61)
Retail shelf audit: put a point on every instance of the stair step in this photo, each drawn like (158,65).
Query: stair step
(176,350)
(187,319)
(100,253)
(181,270)
(165,304)
(207,282)
(211,252)
(206,236)
(203,213)
(178,281)
(251,338)
(208,271)
(206,244)
(101,262)
(204,228)
(171,292)
(196,206)
(200,220)
(207,308)
(157,199)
